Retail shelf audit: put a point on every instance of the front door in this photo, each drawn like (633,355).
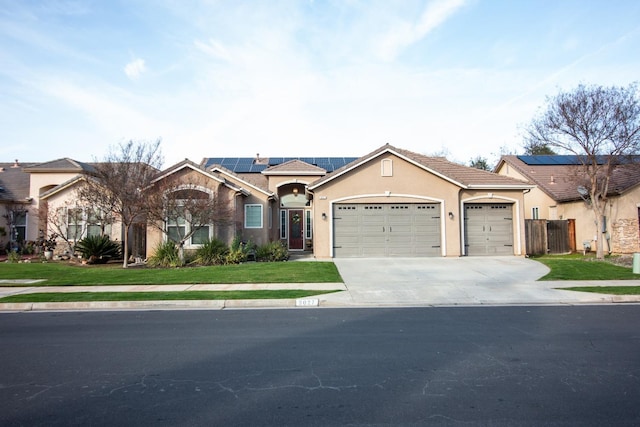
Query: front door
(296,238)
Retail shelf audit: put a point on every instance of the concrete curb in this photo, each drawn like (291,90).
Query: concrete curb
(280,303)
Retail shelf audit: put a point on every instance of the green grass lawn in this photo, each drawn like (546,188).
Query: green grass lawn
(613,290)
(578,267)
(62,273)
(159,296)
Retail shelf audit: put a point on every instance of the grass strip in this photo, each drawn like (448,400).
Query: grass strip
(160,296)
(572,268)
(65,274)
(611,290)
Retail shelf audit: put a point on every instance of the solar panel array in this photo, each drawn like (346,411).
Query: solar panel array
(562,160)
(550,160)
(246,164)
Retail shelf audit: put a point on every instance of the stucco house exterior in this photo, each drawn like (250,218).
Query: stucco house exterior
(390,202)
(556,197)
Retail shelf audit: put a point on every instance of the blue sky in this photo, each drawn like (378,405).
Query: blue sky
(297,78)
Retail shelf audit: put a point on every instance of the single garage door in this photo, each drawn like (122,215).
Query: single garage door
(386,230)
(488,229)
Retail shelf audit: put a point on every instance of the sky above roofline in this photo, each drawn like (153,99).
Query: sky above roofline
(299,78)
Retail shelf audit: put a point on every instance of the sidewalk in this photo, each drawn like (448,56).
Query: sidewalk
(447,294)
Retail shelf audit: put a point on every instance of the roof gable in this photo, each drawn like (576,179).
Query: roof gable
(459,175)
(61,165)
(295,167)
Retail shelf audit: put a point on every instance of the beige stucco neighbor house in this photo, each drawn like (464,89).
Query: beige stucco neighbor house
(556,197)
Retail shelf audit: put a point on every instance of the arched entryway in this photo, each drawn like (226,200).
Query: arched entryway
(295,217)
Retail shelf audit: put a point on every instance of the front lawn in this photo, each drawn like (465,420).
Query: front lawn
(159,296)
(612,290)
(62,273)
(579,267)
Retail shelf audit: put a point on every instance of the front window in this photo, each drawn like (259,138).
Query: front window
(20,226)
(253,216)
(201,235)
(535,213)
(83,222)
(176,225)
(308,224)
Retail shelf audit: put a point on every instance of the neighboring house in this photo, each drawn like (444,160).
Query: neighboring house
(557,197)
(16,205)
(44,189)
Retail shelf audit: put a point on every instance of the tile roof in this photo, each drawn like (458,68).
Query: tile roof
(295,167)
(561,179)
(14,182)
(61,165)
(461,175)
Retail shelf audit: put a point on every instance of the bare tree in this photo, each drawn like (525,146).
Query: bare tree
(71,221)
(601,126)
(186,208)
(117,184)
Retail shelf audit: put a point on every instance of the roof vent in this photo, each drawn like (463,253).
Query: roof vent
(16,164)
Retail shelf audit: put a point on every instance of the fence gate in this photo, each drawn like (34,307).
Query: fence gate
(558,236)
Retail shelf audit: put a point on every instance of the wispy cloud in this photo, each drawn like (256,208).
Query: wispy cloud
(135,68)
(405,34)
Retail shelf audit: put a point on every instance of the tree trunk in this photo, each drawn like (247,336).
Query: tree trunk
(125,249)
(181,252)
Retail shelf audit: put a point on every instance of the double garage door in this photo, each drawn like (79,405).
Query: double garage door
(387,230)
(414,230)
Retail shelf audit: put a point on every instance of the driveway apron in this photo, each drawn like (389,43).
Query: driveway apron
(449,281)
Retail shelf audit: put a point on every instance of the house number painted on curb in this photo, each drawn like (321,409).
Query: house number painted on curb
(308,302)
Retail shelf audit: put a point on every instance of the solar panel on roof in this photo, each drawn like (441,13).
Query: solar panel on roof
(245,161)
(258,168)
(276,160)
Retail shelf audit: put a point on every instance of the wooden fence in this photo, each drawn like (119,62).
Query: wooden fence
(550,236)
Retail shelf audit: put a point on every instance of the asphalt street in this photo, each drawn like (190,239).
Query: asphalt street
(544,365)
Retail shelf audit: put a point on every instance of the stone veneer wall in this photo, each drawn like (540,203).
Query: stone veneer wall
(624,236)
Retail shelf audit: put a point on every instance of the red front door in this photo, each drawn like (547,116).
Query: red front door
(296,237)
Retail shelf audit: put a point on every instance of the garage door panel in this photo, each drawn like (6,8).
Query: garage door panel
(489,229)
(401,230)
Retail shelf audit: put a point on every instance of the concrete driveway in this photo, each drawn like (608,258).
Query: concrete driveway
(454,281)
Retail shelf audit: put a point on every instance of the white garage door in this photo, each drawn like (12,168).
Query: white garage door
(488,229)
(386,230)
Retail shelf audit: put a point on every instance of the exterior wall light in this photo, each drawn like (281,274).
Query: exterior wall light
(450,215)
(324,215)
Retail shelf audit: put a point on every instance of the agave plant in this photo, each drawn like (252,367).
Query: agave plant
(98,249)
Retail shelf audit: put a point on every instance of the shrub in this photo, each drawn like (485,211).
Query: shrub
(212,252)
(273,251)
(238,252)
(13,257)
(165,255)
(98,249)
